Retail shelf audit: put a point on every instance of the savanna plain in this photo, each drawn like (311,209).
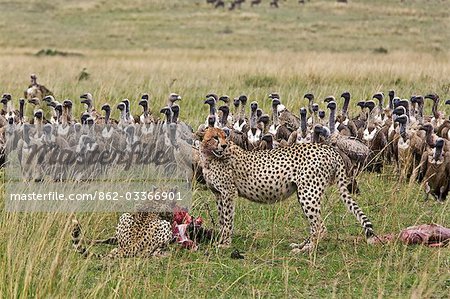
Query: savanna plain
(190,48)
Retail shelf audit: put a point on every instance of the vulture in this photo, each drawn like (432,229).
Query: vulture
(378,110)
(88,100)
(36,90)
(226,100)
(371,127)
(344,125)
(438,116)
(146,116)
(254,134)
(173,97)
(360,120)
(56,112)
(278,131)
(358,153)
(236,113)
(435,170)
(409,149)
(67,117)
(241,124)
(444,129)
(285,117)
(302,134)
(310,98)
(211,101)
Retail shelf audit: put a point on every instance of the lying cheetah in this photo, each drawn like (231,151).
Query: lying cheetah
(269,176)
(142,234)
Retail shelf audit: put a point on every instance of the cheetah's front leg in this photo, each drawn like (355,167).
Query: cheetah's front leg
(225,206)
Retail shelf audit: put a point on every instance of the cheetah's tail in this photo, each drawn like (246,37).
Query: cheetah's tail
(351,205)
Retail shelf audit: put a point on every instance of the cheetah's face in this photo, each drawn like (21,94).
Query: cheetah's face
(214,142)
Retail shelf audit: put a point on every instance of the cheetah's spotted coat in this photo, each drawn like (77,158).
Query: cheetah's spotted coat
(141,234)
(269,176)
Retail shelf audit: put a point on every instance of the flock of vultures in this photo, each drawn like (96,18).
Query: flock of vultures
(387,129)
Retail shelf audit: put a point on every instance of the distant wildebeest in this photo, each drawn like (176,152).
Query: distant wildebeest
(255,2)
(238,3)
(219,3)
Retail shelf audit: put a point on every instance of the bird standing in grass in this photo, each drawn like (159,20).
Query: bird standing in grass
(84,75)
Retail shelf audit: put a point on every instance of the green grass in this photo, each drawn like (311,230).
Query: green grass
(41,262)
(178,46)
(192,24)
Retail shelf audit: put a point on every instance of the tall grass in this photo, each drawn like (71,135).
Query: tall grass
(37,258)
(322,48)
(192,73)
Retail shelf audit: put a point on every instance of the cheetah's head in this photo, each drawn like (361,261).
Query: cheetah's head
(214,143)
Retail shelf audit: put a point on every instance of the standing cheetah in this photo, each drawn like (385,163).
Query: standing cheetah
(269,176)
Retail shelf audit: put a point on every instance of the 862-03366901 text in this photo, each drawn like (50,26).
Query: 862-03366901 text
(99,195)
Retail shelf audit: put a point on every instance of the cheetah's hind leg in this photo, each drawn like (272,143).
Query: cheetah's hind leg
(305,246)
(309,198)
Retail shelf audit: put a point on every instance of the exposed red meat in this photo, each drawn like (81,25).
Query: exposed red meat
(427,234)
(181,226)
(432,235)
